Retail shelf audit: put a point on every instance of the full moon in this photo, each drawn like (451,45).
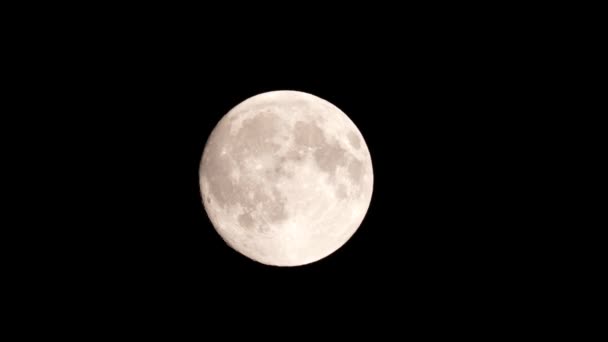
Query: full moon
(286,178)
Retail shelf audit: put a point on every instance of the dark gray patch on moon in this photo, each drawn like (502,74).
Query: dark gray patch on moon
(294,155)
(355,170)
(308,134)
(255,133)
(354,139)
(245,220)
(279,169)
(328,155)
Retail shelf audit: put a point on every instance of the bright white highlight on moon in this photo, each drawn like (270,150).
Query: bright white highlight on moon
(286,178)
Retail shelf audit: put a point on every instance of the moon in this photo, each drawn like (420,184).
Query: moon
(286,178)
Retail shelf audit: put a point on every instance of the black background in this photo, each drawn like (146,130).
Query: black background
(431,225)
(436,99)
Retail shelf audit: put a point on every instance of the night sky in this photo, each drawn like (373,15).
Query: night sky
(434,104)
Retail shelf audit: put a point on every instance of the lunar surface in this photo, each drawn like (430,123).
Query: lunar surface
(286,178)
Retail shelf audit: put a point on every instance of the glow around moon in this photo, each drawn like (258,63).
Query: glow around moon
(286,178)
